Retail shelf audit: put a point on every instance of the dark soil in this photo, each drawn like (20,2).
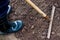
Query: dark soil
(35,26)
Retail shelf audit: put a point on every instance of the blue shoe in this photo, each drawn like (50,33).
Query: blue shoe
(15,26)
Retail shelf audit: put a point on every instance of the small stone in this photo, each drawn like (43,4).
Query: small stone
(23,30)
(33,32)
(53,32)
(31,18)
(58,18)
(15,13)
(32,27)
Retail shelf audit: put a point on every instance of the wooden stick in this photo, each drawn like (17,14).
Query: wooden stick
(50,25)
(37,9)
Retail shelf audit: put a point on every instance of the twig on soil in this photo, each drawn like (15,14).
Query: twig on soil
(37,9)
(51,20)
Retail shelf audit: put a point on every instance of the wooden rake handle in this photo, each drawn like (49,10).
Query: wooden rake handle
(36,8)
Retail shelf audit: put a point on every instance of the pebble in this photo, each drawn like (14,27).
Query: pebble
(31,18)
(33,32)
(58,18)
(32,27)
(15,13)
(53,32)
(23,30)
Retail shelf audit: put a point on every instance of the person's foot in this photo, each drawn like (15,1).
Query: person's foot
(15,26)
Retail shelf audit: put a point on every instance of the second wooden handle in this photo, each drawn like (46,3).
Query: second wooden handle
(36,8)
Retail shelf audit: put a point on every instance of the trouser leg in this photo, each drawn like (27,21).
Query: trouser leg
(4,24)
